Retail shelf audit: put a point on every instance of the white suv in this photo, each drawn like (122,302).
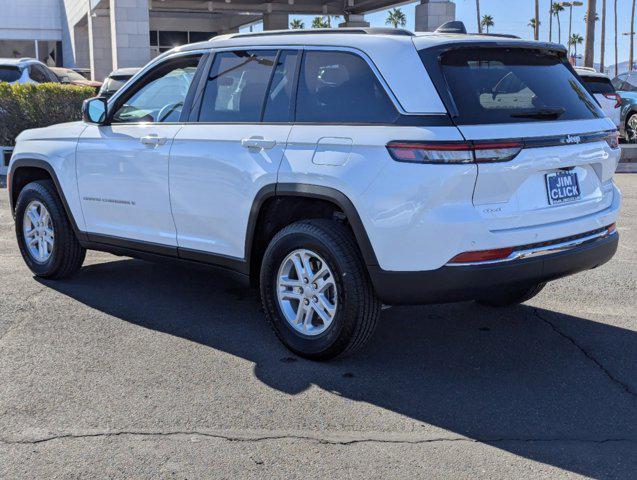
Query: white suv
(339,170)
(25,70)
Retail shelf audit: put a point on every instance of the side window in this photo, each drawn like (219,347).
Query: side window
(630,85)
(159,96)
(237,85)
(618,82)
(279,103)
(37,74)
(340,87)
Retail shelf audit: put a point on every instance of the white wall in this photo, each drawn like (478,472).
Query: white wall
(31,20)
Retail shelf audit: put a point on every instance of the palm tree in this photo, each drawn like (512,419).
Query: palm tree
(532,24)
(556,8)
(603,44)
(616,54)
(536,25)
(297,24)
(478,16)
(550,21)
(320,22)
(591,17)
(575,40)
(487,22)
(396,18)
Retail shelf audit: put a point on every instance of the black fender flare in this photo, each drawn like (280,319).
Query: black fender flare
(42,165)
(311,191)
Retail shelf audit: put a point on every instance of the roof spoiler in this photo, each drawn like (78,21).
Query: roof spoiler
(457,27)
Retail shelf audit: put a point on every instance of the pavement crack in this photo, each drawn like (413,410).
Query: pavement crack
(335,440)
(624,386)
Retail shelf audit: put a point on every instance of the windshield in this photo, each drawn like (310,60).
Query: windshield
(9,73)
(505,85)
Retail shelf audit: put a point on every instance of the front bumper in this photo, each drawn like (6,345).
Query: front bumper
(462,283)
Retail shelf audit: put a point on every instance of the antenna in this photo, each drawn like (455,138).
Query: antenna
(455,26)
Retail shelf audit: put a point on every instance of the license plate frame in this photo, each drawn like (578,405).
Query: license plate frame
(562,187)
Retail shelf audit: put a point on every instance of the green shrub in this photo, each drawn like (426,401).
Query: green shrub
(33,106)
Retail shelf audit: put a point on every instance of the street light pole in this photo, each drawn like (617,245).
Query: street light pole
(570,6)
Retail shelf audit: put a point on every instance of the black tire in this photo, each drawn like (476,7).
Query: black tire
(67,254)
(358,307)
(631,134)
(513,296)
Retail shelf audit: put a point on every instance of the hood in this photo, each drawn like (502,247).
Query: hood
(53,132)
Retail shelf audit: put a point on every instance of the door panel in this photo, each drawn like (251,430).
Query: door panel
(215,174)
(122,173)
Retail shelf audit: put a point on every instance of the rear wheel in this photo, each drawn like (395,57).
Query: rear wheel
(512,296)
(631,128)
(45,236)
(315,290)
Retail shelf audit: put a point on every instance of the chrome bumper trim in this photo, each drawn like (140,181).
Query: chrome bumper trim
(540,251)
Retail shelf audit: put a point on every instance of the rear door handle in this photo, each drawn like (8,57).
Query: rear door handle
(153,140)
(259,143)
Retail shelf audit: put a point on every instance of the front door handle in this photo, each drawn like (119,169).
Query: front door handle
(153,140)
(258,143)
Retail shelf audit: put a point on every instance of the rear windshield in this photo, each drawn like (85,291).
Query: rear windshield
(598,84)
(503,85)
(9,74)
(112,84)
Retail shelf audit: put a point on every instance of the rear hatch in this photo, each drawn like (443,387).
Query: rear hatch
(548,152)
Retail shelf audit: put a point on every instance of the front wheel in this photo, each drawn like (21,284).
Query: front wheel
(45,237)
(513,296)
(316,292)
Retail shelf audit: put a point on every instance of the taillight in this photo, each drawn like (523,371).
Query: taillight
(612,139)
(454,152)
(482,255)
(616,97)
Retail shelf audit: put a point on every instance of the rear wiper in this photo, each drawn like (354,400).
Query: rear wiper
(549,112)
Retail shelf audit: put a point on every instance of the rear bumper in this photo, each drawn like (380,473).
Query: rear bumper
(461,283)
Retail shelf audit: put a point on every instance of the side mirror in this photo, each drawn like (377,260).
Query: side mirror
(94,110)
(65,79)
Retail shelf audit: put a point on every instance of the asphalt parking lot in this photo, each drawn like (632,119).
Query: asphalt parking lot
(136,370)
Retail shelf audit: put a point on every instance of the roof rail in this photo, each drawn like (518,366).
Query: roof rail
(327,31)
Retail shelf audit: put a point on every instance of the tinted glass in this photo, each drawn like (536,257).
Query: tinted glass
(162,96)
(36,73)
(630,85)
(9,74)
(279,103)
(200,36)
(618,82)
(512,85)
(173,39)
(598,84)
(340,87)
(236,86)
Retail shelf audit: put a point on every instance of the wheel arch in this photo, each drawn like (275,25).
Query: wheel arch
(26,170)
(319,195)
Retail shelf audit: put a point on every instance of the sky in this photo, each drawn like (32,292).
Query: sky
(513,16)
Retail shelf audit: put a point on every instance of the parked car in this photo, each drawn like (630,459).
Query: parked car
(339,171)
(602,88)
(67,75)
(115,80)
(25,70)
(626,86)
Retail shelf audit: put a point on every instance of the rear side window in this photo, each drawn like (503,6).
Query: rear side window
(9,74)
(618,82)
(598,84)
(37,74)
(340,87)
(236,87)
(502,85)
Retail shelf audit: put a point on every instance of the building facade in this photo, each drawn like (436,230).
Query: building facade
(102,35)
